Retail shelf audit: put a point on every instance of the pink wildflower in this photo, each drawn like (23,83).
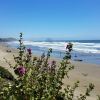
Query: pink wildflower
(20,70)
(29,51)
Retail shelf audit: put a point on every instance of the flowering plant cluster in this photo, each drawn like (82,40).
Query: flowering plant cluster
(40,78)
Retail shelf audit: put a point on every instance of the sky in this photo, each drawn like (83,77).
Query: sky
(57,19)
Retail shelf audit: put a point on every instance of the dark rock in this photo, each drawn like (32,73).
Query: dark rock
(8,50)
(78,60)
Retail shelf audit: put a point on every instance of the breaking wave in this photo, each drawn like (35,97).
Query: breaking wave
(61,46)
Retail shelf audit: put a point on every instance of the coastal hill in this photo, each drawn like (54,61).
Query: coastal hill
(7,39)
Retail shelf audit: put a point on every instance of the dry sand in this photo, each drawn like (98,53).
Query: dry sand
(85,73)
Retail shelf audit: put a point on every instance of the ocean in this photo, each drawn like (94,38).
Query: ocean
(87,51)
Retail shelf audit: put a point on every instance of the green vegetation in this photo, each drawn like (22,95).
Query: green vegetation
(40,79)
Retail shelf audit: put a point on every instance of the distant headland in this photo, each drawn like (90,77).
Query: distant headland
(7,39)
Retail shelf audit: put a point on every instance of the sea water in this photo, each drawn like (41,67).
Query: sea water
(86,50)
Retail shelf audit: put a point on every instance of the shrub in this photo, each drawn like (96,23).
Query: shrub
(40,79)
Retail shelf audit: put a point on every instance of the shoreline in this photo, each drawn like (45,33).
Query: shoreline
(84,72)
(85,55)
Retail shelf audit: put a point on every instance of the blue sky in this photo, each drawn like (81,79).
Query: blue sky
(61,19)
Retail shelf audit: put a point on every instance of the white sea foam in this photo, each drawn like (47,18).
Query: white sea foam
(61,46)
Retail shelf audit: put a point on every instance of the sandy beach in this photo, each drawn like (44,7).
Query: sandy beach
(85,73)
